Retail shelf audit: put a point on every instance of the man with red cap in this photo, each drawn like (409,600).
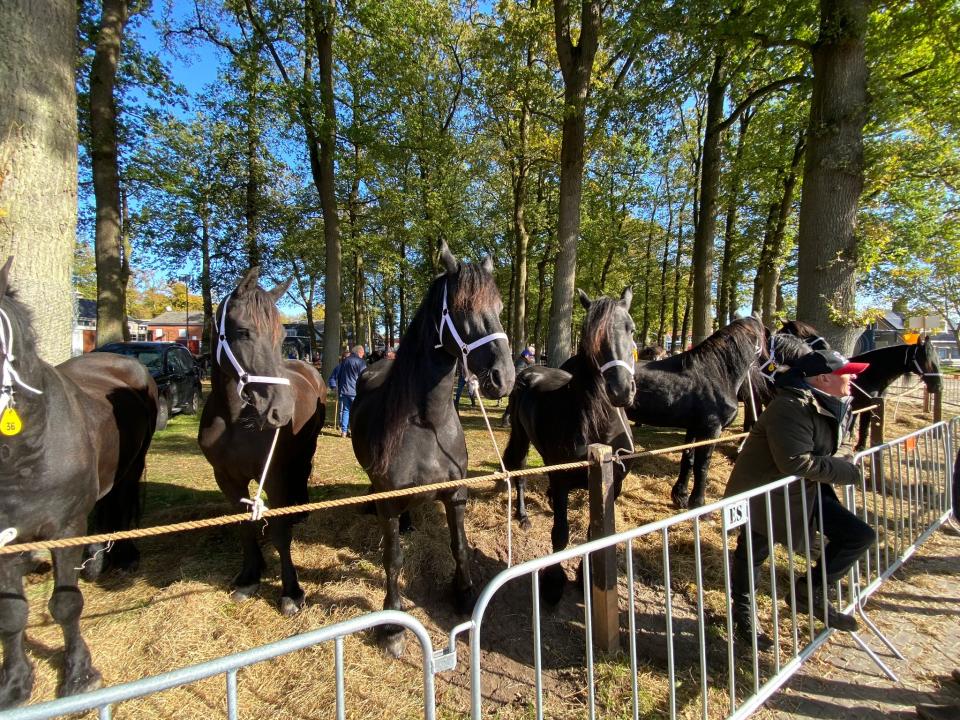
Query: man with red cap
(800,433)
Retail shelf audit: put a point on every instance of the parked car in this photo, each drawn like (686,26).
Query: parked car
(173,368)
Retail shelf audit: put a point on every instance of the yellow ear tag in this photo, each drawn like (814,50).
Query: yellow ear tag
(10,422)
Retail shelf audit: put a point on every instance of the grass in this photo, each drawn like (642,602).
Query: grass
(175,610)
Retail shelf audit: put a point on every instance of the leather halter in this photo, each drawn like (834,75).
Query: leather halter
(465,348)
(9,376)
(243,377)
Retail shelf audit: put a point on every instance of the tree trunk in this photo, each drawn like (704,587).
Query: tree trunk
(706,226)
(325,19)
(518,323)
(111,291)
(726,297)
(206,286)
(675,326)
(576,65)
(768,271)
(541,295)
(647,254)
(833,174)
(38,162)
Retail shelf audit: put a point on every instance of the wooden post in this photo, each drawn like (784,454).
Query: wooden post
(926,400)
(603,563)
(938,406)
(877,419)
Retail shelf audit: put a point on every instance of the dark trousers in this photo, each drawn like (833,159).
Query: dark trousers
(848,537)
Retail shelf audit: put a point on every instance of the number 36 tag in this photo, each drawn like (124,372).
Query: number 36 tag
(10,422)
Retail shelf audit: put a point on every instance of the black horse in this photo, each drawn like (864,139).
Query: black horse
(697,390)
(404,426)
(260,402)
(886,365)
(562,411)
(806,332)
(68,435)
(755,394)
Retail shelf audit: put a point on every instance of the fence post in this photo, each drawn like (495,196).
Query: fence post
(877,419)
(926,400)
(938,406)
(603,563)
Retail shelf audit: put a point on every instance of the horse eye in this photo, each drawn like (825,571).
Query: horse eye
(243,333)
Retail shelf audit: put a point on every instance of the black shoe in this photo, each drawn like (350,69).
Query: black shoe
(834,619)
(743,634)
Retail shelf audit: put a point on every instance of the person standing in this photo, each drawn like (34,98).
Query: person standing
(344,379)
(800,434)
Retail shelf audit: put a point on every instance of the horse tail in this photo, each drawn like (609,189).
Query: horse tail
(122,507)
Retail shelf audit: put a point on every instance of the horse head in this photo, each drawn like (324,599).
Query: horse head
(607,340)
(927,365)
(806,332)
(247,349)
(470,328)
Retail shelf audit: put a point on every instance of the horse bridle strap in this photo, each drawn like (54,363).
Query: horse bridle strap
(243,377)
(920,371)
(9,376)
(614,363)
(465,348)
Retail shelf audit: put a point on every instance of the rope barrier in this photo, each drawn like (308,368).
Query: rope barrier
(138,533)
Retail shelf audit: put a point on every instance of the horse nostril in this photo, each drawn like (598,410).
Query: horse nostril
(496,377)
(273,416)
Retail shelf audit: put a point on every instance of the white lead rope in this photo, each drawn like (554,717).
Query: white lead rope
(474,387)
(256,504)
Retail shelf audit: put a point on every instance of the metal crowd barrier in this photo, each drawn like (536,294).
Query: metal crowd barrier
(904,495)
(103,700)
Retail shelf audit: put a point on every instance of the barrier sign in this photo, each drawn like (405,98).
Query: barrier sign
(737,514)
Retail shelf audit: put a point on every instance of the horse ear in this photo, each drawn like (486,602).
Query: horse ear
(487,265)
(278,290)
(626,298)
(449,262)
(5,276)
(249,281)
(584,299)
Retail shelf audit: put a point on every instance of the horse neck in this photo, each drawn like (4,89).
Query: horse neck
(433,387)
(587,381)
(893,363)
(737,361)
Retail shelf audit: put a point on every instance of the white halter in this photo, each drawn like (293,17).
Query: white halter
(9,377)
(465,348)
(622,363)
(244,378)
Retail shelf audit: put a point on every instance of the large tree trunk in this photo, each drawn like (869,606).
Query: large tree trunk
(833,174)
(325,18)
(206,285)
(576,65)
(38,162)
(709,180)
(111,283)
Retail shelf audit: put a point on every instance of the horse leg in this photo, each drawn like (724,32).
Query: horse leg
(864,430)
(679,493)
(390,637)
(16,677)
(291,594)
(701,464)
(513,458)
(464,595)
(246,584)
(553,579)
(522,516)
(66,605)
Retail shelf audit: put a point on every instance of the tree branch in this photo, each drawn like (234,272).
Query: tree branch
(756,95)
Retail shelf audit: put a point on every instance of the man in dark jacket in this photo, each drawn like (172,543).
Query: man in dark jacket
(344,378)
(800,433)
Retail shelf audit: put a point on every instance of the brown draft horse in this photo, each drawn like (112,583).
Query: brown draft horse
(85,428)
(257,397)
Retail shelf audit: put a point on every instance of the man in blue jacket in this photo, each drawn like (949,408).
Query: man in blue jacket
(344,379)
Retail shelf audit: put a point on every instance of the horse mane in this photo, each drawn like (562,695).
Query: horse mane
(721,352)
(788,348)
(805,331)
(404,397)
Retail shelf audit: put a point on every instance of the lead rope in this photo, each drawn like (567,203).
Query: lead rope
(474,387)
(256,504)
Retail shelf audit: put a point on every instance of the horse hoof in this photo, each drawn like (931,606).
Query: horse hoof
(695,502)
(16,691)
(391,640)
(525,523)
(680,499)
(290,607)
(242,593)
(465,600)
(552,581)
(90,680)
